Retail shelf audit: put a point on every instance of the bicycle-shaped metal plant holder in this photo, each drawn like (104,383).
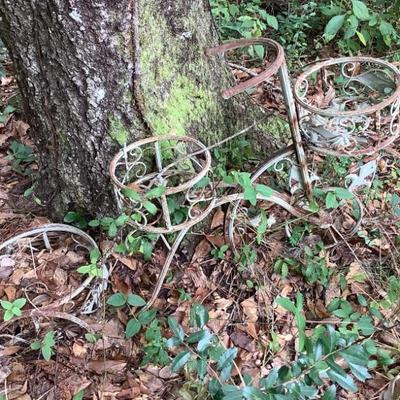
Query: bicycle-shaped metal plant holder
(360,115)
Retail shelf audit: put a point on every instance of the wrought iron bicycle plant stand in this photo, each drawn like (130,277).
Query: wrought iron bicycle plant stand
(345,106)
(360,99)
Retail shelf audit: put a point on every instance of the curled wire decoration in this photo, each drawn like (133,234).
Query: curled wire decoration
(275,58)
(38,239)
(178,164)
(349,106)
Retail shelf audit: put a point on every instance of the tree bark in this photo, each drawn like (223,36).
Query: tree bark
(94,73)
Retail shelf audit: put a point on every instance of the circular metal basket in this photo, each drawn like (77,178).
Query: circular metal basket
(349,105)
(40,239)
(177,164)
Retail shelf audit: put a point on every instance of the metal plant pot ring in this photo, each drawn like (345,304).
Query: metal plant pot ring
(349,106)
(40,238)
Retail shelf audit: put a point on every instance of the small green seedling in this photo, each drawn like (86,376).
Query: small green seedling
(92,338)
(110,225)
(46,345)
(120,300)
(135,324)
(92,269)
(76,218)
(183,295)
(219,253)
(12,308)
(21,156)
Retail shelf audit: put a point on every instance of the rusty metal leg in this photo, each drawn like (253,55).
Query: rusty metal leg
(165,268)
(295,127)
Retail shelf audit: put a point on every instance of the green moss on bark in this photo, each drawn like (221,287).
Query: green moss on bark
(118,130)
(185,105)
(177,98)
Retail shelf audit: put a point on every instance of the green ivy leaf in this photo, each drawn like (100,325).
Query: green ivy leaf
(343,193)
(360,372)
(147,249)
(95,256)
(145,317)
(121,220)
(131,194)
(330,10)
(259,51)
(264,190)
(387,30)
(6,304)
(112,230)
(250,194)
(205,341)
(173,342)
(201,367)
(360,10)
(329,339)
(47,352)
(71,216)
(338,375)
(132,328)
(286,304)
(155,192)
(36,345)
(365,325)
(333,26)
(355,355)
(117,300)
(313,206)
(176,328)
(48,339)
(272,21)
(200,314)
(227,358)
(362,300)
(84,269)
(135,300)
(195,337)
(180,360)
(232,392)
(330,200)
(271,379)
(150,207)
(330,394)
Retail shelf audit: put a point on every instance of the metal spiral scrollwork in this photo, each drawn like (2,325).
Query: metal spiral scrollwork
(186,161)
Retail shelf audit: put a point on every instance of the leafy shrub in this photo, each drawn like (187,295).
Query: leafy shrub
(245,19)
(357,25)
(361,23)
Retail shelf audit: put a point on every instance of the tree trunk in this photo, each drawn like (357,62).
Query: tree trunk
(94,73)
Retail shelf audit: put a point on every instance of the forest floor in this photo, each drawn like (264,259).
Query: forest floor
(88,355)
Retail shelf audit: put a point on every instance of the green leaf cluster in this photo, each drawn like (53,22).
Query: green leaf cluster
(243,20)
(137,244)
(109,224)
(92,269)
(20,154)
(46,345)
(358,22)
(12,308)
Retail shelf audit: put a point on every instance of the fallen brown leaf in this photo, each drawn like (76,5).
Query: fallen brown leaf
(101,366)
